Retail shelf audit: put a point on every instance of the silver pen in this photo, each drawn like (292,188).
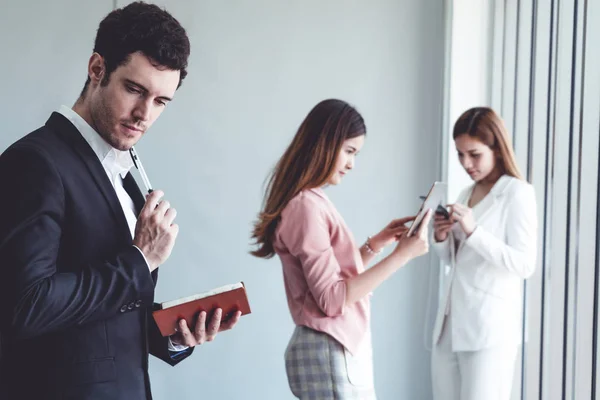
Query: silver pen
(140,167)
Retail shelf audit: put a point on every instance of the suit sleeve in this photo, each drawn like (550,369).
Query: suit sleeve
(159,346)
(37,299)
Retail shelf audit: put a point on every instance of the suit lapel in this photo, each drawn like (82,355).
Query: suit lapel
(67,131)
(484,206)
(488,202)
(463,197)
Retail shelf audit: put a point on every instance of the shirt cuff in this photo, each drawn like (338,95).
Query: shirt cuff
(143,256)
(176,347)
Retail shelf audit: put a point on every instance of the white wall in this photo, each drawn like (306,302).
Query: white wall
(45,51)
(257,67)
(470,77)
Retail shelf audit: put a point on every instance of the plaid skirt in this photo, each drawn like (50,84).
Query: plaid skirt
(318,367)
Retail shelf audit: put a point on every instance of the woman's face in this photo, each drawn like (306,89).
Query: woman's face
(345,158)
(476,158)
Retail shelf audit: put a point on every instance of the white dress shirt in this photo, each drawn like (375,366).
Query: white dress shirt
(117,164)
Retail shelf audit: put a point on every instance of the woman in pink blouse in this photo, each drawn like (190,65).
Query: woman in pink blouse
(329,355)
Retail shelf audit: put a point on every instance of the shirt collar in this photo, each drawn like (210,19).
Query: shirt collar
(117,162)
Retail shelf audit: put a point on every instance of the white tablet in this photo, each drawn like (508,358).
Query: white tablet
(436,197)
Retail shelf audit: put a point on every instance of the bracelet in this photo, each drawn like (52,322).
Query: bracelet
(369,248)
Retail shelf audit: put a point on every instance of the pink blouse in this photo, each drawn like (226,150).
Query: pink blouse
(318,252)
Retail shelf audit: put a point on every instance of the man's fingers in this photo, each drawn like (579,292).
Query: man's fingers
(174,231)
(231,321)
(184,330)
(200,329)
(162,207)
(213,326)
(170,216)
(152,201)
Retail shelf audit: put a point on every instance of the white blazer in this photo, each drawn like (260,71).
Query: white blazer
(482,280)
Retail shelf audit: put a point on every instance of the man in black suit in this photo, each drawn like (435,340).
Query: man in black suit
(79,244)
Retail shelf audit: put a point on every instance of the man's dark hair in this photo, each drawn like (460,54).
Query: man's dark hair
(145,28)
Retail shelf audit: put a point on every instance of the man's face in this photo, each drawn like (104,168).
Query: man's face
(134,97)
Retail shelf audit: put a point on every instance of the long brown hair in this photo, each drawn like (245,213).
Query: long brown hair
(484,124)
(307,163)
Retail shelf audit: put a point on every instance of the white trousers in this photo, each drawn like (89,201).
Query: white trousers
(471,375)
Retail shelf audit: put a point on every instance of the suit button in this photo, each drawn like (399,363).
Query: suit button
(130,306)
(123,308)
(138,303)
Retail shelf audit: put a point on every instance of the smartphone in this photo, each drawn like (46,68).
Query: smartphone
(434,199)
(441,210)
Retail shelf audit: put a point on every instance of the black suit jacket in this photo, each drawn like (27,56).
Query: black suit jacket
(75,295)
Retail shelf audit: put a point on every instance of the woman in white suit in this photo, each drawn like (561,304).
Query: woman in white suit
(488,246)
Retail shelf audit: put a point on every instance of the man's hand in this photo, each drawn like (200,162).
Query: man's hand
(203,332)
(155,232)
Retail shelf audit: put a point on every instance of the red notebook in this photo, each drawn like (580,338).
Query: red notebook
(229,298)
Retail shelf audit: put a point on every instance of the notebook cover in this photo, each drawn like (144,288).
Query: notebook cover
(229,302)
